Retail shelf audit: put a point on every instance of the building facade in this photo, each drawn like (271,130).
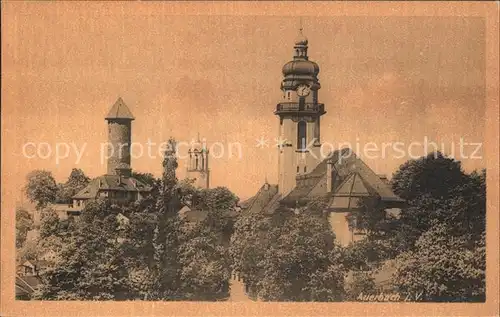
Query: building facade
(299,114)
(341,178)
(117,185)
(197,167)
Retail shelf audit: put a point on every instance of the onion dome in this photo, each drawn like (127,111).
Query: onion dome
(300,70)
(301,67)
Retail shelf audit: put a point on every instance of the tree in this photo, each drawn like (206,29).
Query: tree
(436,239)
(434,175)
(205,262)
(463,209)
(49,224)
(443,266)
(29,251)
(366,254)
(139,252)
(437,190)
(146,178)
(168,229)
(288,257)
(41,188)
(247,248)
(360,283)
(77,181)
(205,270)
(441,234)
(91,261)
(189,194)
(24,223)
(220,204)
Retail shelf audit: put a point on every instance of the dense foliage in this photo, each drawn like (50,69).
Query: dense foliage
(143,250)
(91,265)
(437,241)
(24,223)
(444,267)
(146,178)
(148,250)
(41,188)
(77,181)
(287,256)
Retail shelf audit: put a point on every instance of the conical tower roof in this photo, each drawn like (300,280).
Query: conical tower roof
(119,111)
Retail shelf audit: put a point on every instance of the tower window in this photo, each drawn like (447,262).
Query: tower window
(301,135)
(305,169)
(289,95)
(298,169)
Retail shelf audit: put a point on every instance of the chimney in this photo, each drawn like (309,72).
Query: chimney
(329,170)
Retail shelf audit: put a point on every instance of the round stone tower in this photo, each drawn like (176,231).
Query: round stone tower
(119,138)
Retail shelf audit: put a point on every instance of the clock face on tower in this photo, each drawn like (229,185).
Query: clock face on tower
(303,90)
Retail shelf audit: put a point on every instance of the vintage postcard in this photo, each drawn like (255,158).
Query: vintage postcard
(249,159)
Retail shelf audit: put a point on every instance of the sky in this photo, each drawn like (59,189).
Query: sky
(383,79)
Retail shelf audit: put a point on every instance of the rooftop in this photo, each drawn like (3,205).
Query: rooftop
(111,182)
(120,111)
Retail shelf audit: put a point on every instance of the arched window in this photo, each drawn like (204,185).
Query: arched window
(301,135)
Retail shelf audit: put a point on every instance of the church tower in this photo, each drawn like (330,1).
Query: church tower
(299,115)
(119,139)
(198,165)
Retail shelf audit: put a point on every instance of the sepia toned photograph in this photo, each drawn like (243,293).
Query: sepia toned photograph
(204,153)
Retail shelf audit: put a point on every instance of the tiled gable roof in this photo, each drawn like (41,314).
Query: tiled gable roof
(266,195)
(351,177)
(313,178)
(353,186)
(111,182)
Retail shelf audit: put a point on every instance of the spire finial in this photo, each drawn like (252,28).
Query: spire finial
(301,39)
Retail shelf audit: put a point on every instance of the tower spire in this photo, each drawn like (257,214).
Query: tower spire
(301,42)
(198,167)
